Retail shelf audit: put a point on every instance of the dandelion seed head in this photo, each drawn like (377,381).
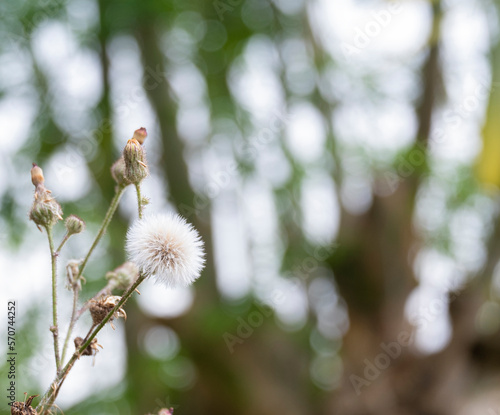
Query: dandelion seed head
(167,248)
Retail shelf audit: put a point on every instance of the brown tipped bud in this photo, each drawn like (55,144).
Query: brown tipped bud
(118,172)
(123,276)
(134,155)
(45,210)
(140,135)
(74,225)
(37,175)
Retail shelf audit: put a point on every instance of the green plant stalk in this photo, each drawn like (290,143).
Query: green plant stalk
(66,237)
(139,199)
(55,328)
(107,219)
(71,323)
(51,394)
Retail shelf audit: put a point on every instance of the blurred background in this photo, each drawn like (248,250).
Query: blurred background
(342,162)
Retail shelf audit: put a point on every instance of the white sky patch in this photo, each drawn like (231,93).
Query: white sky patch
(468,232)
(254,81)
(15,69)
(273,165)
(293,305)
(384,126)
(71,177)
(427,309)
(305,133)
(231,246)
(131,108)
(320,208)
(438,271)
(17,114)
(74,74)
(158,301)
(365,30)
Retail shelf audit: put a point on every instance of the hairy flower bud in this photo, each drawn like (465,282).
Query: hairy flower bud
(140,135)
(118,172)
(134,155)
(45,210)
(123,276)
(37,175)
(74,225)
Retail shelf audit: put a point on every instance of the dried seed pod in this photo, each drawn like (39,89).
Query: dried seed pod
(99,309)
(90,350)
(23,408)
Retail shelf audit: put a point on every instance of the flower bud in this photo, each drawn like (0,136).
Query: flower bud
(140,135)
(136,168)
(45,210)
(118,172)
(123,276)
(74,225)
(37,175)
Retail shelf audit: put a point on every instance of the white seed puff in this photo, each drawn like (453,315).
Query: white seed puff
(167,248)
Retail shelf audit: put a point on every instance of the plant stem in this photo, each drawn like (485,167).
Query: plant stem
(71,323)
(139,199)
(107,219)
(51,394)
(55,328)
(104,226)
(66,237)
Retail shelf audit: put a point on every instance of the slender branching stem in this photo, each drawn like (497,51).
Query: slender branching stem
(55,328)
(139,199)
(72,322)
(51,394)
(107,219)
(66,237)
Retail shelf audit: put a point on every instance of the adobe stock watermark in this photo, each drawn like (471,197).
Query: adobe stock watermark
(248,150)
(393,350)
(247,326)
(363,36)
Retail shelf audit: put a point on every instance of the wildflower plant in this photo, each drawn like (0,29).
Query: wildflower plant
(164,247)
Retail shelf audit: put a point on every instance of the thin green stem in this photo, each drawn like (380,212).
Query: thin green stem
(139,199)
(51,394)
(55,328)
(66,237)
(107,219)
(71,323)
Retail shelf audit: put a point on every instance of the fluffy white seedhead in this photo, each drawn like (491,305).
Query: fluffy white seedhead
(166,247)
